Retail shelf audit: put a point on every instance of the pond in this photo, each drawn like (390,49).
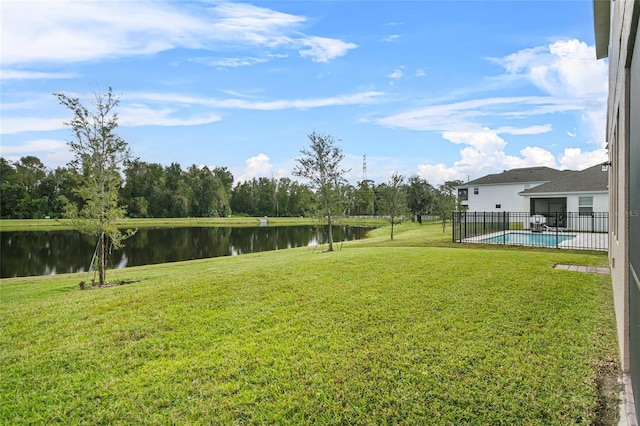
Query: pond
(58,252)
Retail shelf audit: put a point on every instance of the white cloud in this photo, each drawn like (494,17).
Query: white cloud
(141,115)
(576,159)
(12,125)
(536,156)
(163,109)
(483,153)
(52,152)
(531,156)
(349,99)
(75,31)
(26,103)
(420,73)
(485,141)
(467,115)
(252,22)
(396,74)
(596,119)
(437,174)
(230,62)
(57,158)
(129,116)
(483,150)
(322,49)
(566,69)
(39,145)
(531,130)
(259,166)
(8,74)
(236,62)
(58,31)
(571,80)
(391,38)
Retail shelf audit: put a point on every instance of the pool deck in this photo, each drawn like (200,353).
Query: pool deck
(582,240)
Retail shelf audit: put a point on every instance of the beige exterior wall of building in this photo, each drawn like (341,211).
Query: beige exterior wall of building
(618,138)
(617,37)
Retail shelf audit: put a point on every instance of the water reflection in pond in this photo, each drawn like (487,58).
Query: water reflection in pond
(57,252)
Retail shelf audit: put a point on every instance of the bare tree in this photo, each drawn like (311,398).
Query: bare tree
(99,156)
(320,163)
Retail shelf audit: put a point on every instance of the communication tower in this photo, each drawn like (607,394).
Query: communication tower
(364,167)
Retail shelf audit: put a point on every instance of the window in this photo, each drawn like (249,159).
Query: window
(463,194)
(585,206)
(476,190)
(498,206)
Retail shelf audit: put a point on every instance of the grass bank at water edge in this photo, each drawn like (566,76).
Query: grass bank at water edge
(377,333)
(235,221)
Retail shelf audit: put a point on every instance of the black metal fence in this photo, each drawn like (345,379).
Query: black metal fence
(573,230)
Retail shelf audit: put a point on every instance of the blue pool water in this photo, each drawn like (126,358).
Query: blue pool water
(529,239)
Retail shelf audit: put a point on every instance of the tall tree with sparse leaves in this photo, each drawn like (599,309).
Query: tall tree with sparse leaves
(446,200)
(320,163)
(394,200)
(99,155)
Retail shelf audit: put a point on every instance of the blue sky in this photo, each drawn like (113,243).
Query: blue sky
(445,90)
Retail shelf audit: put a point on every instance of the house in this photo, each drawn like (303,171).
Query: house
(501,192)
(617,37)
(566,199)
(585,192)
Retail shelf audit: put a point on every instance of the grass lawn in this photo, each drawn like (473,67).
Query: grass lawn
(410,331)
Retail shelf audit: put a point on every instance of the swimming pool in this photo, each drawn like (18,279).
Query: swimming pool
(532,239)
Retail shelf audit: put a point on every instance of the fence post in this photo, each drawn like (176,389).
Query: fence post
(465,225)
(504,227)
(453,227)
(557,226)
(484,223)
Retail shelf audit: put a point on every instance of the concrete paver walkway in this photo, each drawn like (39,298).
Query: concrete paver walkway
(587,269)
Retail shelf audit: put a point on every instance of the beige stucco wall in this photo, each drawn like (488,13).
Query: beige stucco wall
(618,138)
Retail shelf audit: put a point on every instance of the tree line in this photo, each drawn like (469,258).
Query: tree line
(30,190)
(104,183)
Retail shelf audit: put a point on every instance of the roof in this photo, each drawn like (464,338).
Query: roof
(592,179)
(601,26)
(527,174)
